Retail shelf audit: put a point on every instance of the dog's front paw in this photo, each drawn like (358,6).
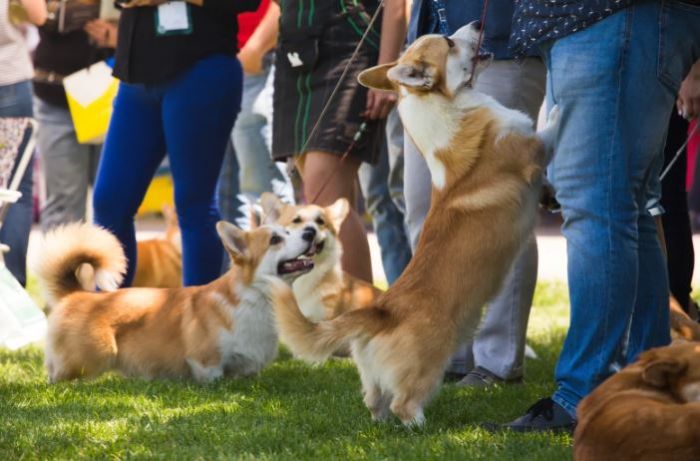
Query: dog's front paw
(553,117)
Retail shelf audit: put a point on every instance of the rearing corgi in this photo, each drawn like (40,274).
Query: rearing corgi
(486,166)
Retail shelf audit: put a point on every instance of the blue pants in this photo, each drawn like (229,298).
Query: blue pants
(16,101)
(615,84)
(382,187)
(190,118)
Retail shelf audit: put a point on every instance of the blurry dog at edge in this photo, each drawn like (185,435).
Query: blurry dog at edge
(486,167)
(649,411)
(159,260)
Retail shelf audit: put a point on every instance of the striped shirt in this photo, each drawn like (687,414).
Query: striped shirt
(15,64)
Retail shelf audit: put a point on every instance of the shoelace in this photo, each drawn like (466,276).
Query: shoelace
(544,407)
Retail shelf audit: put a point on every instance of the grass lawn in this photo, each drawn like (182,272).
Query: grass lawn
(292,411)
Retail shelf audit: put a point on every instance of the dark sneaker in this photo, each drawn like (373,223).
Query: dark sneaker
(481,377)
(545,415)
(452,376)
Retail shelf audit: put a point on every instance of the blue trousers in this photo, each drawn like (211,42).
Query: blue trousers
(190,118)
(16,101)
(615,84)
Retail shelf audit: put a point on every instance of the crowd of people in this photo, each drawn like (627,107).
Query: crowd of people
(234,91)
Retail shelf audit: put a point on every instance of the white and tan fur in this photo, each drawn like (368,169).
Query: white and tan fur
(326,291)
(204,332)
(486,164)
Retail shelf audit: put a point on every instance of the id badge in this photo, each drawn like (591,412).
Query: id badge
(173,18)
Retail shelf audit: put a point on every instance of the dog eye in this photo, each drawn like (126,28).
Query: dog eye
(275,239)
(320,221)
(297,220)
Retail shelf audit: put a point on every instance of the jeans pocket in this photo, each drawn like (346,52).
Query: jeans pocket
(679,41)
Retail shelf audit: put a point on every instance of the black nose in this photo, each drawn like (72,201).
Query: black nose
(476,24)
(309,234)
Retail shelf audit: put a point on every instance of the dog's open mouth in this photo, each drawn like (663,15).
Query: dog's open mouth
(315,248)
(300,264)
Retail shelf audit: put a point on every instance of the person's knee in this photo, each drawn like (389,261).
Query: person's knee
(193,212)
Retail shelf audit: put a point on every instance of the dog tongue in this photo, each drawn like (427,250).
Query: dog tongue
(295,265)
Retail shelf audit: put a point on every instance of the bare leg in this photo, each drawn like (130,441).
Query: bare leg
(326,179)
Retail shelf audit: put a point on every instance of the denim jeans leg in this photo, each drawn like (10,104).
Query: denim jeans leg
(251,140)
(16,101)
(388,220)
(613,118)
(395,145)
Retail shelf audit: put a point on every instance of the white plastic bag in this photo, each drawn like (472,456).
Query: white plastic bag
(21,321)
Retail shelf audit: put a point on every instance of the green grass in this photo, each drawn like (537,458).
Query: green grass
(292,411)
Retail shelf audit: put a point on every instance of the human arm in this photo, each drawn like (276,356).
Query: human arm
(688,102)
(261,41)
(102,32)
(379,103)
(36,11)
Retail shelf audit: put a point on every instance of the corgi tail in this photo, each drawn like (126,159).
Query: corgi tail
(315,342)
(78,257)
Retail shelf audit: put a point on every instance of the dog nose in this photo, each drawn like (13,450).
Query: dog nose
(309,234)
(476,24)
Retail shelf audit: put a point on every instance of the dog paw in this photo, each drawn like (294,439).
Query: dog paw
(553,116)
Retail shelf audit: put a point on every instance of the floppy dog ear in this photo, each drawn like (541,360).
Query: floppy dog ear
(271,207)
(659,372)
(376,77)
(417,75)
(233,239)
(337,212)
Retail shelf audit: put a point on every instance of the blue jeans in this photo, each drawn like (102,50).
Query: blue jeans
(253,166)
(68,167)
(615,84)
(382,187)
(16,101)
(190,118)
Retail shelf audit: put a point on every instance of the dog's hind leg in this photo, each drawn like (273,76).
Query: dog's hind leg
(409,409)
(412,394)
(377,402)
(204,374)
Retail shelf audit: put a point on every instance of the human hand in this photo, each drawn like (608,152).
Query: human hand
(251,59)
(688,102)
(103,33)
(379,104)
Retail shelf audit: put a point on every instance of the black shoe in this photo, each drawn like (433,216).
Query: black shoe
(480,377)
(452,376)
(544,416)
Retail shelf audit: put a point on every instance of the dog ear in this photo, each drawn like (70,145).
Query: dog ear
(233,239)
(417,75)
(271,208)
(338,212)
(659,372)
(376,77)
